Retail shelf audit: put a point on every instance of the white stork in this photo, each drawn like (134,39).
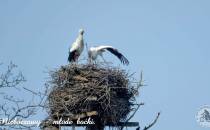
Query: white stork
(77,47)
(95,51)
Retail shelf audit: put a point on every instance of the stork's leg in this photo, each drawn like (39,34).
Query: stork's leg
(77,58)
(91,61)
(94,62)
(103,59)
(76,62)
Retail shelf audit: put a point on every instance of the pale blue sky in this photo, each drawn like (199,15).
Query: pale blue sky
(168,40)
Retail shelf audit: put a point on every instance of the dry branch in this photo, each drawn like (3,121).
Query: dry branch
(12,107)
(153,123)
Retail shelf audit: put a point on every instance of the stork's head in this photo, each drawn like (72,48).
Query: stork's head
(81,31)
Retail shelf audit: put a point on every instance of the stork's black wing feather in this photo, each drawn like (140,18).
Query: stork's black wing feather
(72,56)
(119,55)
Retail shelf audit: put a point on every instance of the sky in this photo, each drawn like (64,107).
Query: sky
(168,40)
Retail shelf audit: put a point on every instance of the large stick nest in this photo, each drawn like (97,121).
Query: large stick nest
(101,92)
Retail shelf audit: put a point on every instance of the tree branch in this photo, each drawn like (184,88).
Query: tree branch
(150,125)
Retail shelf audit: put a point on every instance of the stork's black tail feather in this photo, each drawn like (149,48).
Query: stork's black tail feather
(72,56)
